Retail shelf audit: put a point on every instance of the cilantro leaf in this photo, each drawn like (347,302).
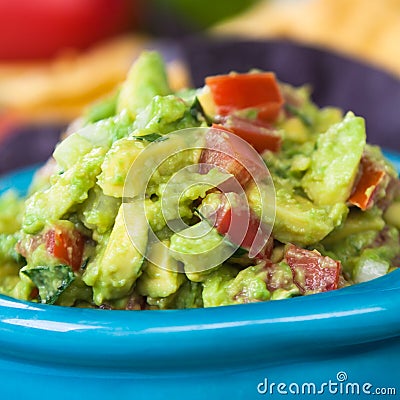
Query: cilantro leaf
(151,137)
(51,281)
(197,109)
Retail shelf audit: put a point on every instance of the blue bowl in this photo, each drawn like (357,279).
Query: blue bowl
(341,343)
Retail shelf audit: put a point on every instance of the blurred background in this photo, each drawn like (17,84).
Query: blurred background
(58,56)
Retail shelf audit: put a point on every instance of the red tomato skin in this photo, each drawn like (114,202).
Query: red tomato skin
(230,154)
(257,133)
(371,177)
(40,29)
(231,221)
(243,91)
(321,274)
(65,245)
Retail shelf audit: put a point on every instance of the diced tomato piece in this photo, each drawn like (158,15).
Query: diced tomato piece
(230,153)
(261,135)
(312,272)
(66,245)
(234,92)
(371,176)
(34,293)
(223,216)
(232,217)
(266,252)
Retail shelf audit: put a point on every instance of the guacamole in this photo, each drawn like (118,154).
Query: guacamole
(240,191)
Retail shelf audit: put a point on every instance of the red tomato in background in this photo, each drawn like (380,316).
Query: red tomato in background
(35,29)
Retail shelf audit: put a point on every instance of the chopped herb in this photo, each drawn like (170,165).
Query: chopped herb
(240,252)
(297,113)
(197,109)
(50,281)
(152,137)
(200,215)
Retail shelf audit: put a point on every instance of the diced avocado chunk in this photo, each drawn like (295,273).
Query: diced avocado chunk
(357,222)
(189,295)
(7,248)
(300,221)
(250,285)
(334,163)
(9,278)
(326,117)
(161,276)
(392,214)
(165,155)
(100,134)
(11,209)
(147,78)
(225,286)
(261,282)
(295,130)
(368,242)
(69,189)
(200,247)
(163,115)
(186,186)
(71,149)
(117,164)
(214,287)
(116,270)
(98,212)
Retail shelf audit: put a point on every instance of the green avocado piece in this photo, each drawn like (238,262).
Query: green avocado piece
(161,276)
(69,189)
(357,222)
(215,287)
(189,295)
(147,78)
(300,221)
(334,163)
(225,286)
(164,114)
(7,248)
(98,212)
(200,247)
(11,210)
(117,164)
(100,134)
(115,271)
(261,282)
